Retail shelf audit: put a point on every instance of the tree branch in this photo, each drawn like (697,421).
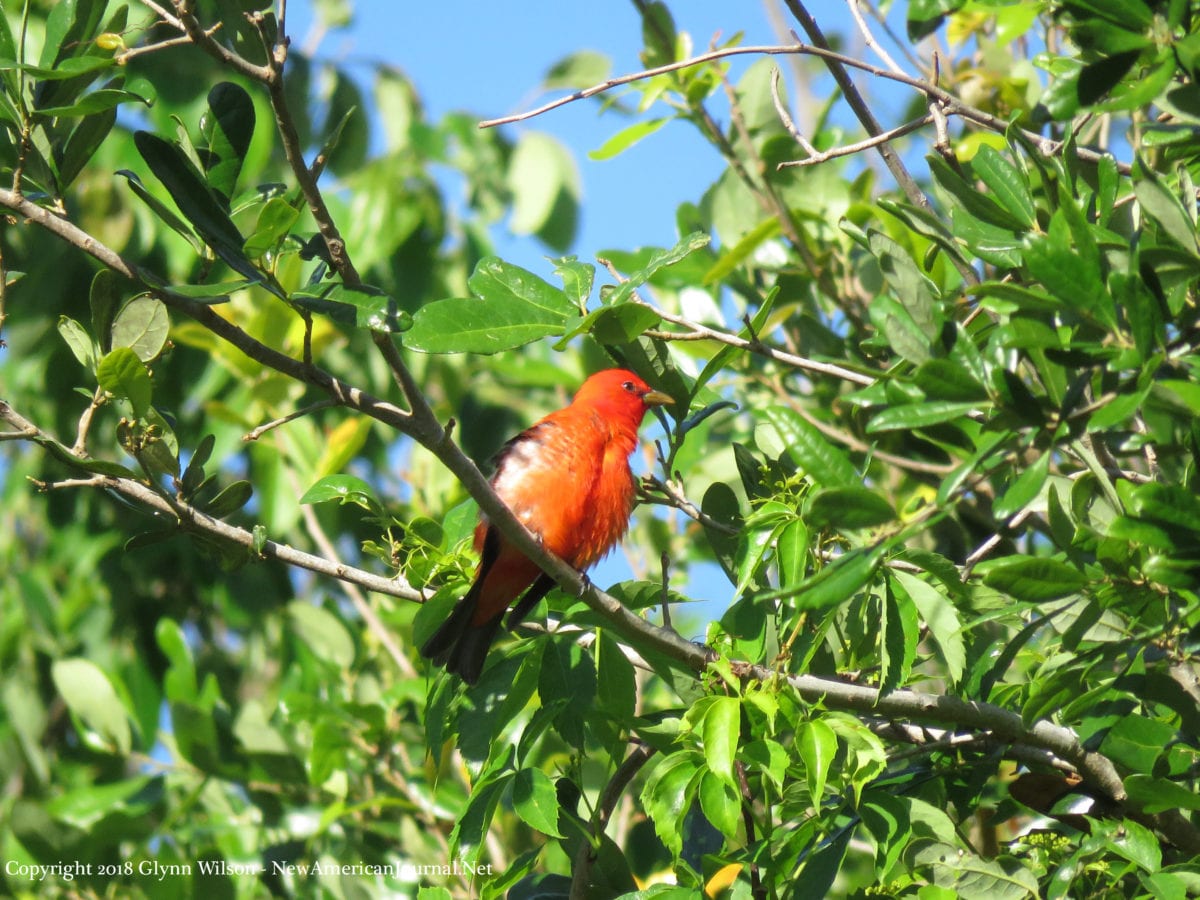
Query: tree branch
(188,518)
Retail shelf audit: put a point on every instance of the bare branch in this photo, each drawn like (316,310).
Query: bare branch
(188,518)
(256,433)
(851,149)
(869,39)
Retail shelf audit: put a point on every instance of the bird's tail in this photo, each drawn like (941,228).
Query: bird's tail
(458,644)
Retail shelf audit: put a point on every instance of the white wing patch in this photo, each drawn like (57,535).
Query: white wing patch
(522,464)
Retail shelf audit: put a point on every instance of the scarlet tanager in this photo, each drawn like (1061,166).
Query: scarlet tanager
(567,478)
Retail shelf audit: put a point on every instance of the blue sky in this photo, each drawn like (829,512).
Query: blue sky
(489,58)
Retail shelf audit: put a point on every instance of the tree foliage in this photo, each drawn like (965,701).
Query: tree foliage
(935,363)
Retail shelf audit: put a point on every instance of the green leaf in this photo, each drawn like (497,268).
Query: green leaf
(837,582)
(970,201)
(81,145)
(323,632)
(826,464)
(1164,208)
(1136,742)
(626,138)
(667,794)
(622,324)
(1023,490)
(577,278)
(535,801)
(1154,795)
(916,293)
(90,696)
(1006,183)
(1054,260)
(919,415)
(1035,579)
(545,188)
(719,731)
(104,100)
(721,804)
(515,308)
(344,489)
(818,745)
(741,251)
(275,220)
(616,686)
(900,633)
(226,128)
(578,70)
(142,325)
(102,298)
(123,375)
(659,260)
(971,876)
(230,500)
(195,200)
(78,340)
(886,818)
(848,509)
(926,16)
(358,307)
(940,616)
(160,209)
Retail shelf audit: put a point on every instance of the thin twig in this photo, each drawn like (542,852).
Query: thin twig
(698,332)
(869,39)
(785,117)
(851,149)
(85,423)
(256,433)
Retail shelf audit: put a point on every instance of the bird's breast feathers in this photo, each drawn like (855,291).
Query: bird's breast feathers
(570,484)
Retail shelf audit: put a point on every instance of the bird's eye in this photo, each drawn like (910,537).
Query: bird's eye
(629,386)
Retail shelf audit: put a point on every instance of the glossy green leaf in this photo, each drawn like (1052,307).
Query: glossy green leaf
(719,731)
(666,796)
(358,307)
(195,200)
(344,489)
(721,804)
(226,129)
(818,746)
(899,634)
(1164,208)
(178,225)
(1155,795)
(1023,490)
(275,220)
(811,451)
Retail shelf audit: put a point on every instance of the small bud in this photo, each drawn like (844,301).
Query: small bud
(110,41)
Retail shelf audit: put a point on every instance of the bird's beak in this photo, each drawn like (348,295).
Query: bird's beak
(657,398)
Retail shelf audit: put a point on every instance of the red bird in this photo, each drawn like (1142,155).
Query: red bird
(567,478)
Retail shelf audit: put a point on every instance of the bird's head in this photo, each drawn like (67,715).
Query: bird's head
(621,395)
